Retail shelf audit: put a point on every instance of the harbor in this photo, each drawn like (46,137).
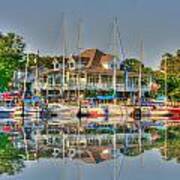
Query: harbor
(89,90)
(86,121)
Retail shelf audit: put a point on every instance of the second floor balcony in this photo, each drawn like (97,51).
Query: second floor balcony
(96,86)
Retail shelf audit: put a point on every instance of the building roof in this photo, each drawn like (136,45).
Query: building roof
(96,58)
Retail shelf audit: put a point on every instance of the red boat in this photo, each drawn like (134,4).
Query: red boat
(95,114)
(174,110)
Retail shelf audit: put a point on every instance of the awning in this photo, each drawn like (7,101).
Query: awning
(106,97)
(161,98)
(34,99)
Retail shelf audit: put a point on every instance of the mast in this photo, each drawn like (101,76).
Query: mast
(165,93)
(64,51)
(115,53)
(140,73)
(140,94)
(79,48)
(123,57)
(115,44)
(25,76)
(36,74)
(165,82)
(166,141)
(23,97)
(115,47)
(79,66)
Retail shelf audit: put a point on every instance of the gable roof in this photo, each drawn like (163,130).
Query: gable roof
(95,58)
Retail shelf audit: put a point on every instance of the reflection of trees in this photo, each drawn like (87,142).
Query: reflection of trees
(131,151)
(10,161)
(172,151)
(10,166)
(173,144)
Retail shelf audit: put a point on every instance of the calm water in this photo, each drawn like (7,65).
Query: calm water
(148,165)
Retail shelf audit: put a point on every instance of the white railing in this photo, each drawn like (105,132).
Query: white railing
(96,86)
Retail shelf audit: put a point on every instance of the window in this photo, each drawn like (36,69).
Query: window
(71,65)
(58,79)
(50,80)
(57,66)
(119,80)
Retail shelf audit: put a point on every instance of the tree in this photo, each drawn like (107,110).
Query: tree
(173,84)
(131,65)
(171,62)
(11,57)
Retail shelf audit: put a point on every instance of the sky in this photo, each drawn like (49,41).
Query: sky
(156,22)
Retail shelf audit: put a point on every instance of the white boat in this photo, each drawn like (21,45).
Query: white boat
(4,109)
(155,111)
(6,112)
(59,109)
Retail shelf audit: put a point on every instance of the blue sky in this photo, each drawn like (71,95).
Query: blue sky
(156,22)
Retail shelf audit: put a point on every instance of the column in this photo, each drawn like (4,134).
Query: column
(99,80)
(53,80)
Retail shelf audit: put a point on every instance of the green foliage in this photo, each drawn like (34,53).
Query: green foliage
(173,84)
(90,94)
(6,148)
(11,57)
(4,141)
(10,161)
(132,64)
(171,62)
(45,61)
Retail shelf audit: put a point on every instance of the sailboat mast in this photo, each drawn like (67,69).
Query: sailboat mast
(165,81)
(166,130)
(23,97)
(25,76)
(37,74)
(64,49)
(79,47)
(140,94)
(114,54)
(140,73)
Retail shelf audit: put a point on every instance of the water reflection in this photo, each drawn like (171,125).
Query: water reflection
(11,167)
(95,144)
(10,158)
